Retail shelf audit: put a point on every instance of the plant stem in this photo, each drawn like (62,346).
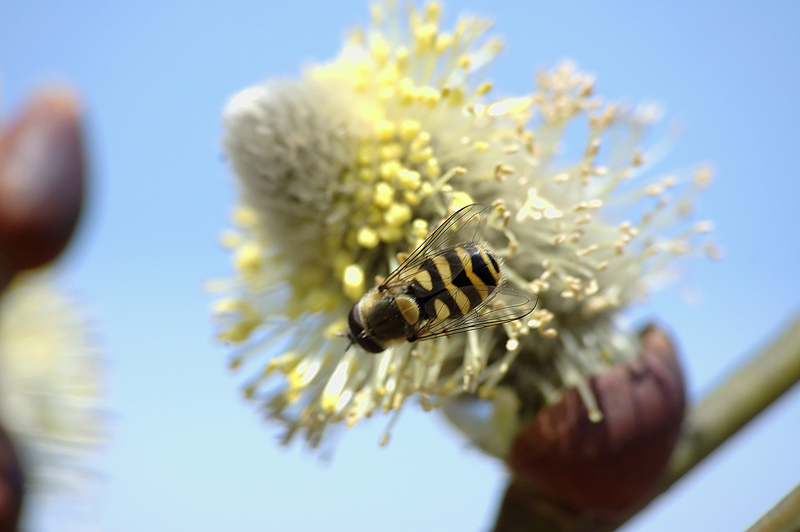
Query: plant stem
(783,517)
(738,400)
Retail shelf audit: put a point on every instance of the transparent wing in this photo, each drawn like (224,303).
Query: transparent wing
(505,304)
(464,226)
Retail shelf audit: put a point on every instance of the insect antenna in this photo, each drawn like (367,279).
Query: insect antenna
(350,339)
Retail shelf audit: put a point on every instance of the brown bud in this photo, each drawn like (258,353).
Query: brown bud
(41,180)
(606,470)
(11,485)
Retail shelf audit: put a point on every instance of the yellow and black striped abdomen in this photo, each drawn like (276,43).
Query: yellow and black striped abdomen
(455,281)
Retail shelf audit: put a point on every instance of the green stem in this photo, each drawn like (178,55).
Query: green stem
(783,517)
(738,400)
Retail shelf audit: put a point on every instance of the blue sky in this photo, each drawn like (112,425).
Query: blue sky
(186,453)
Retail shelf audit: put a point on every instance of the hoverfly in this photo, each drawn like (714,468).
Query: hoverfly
(449,284)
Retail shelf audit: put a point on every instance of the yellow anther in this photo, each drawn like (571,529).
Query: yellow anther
(463,61)
(248,258)
(390,169)
(409,129)
(226,306)
(459,201)
(434,11)
(238,333)
(419,228)
(420,141)
(421,156)
(397,214)
(432,169)
(426,189)
(385,130)
(481,146)
(443,42)
(388,75)
(353,281)
(391,151)
(424,35)
(484,88)
(429,96)
(245,217)
(409,179)
(367,238)
(412,198)
(383,195)
(456,96)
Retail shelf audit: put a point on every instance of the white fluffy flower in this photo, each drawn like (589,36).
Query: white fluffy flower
(354,163)
(51,383)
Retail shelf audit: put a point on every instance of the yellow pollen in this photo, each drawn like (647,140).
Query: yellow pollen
(481,146)
(419,229)
(409,129)
(422,155)
(455,96)
(385,130)
(421,140)
(459,201)
(353,280)
(443,42)
(248,258)
(367,238)
(383,195)
(426,189)
(389,170)
(245,217)
(432,169)
(434,11)
(391,151)
(409,179)
(397,214)
(412,198)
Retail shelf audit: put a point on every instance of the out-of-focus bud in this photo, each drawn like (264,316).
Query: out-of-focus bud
(600,472)
(11,485)
(41,181)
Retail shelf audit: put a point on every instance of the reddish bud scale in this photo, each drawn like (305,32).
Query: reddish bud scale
(607,469)
(12,485)
(41,181)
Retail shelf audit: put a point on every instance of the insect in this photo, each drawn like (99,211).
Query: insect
(449,284)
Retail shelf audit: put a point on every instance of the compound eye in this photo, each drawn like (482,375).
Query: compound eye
(356,327)
(357,334)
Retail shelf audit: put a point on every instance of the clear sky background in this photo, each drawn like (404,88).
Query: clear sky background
(186,453)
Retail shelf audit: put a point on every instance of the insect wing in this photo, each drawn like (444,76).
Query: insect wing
(505,304)
(464,226)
